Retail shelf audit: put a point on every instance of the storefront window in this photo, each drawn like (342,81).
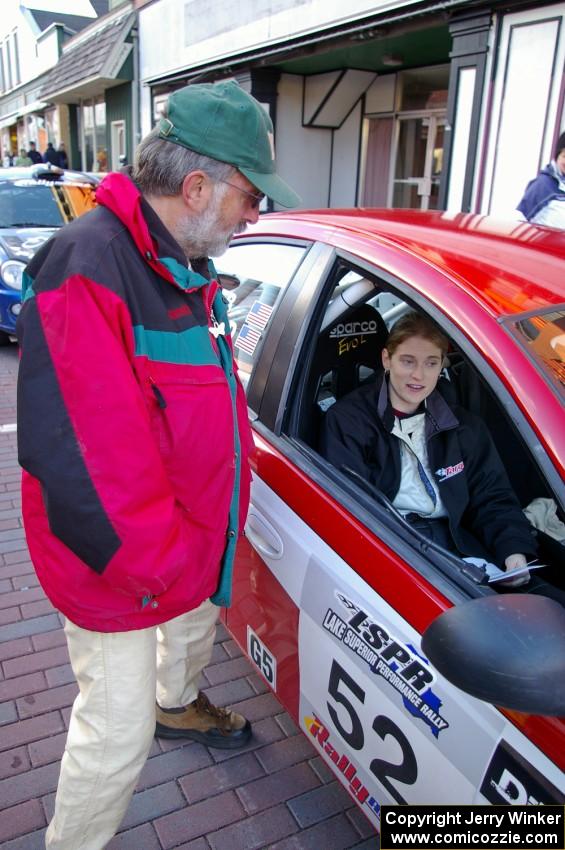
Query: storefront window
(404,154)
(87,114)
(423,88)
(95,153)
(159,103)
(160,97)
(101,163)
(52,126)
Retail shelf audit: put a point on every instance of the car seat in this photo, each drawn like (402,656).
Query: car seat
(348,354)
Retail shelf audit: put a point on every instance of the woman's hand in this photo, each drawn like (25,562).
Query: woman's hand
(513,562)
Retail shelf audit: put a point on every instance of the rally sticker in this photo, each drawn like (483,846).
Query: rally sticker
(262,657)
(349,770)
(510,779)
(397,662)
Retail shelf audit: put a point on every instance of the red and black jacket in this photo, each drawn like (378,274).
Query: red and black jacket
(132,423)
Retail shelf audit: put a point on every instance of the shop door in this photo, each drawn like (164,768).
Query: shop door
(417,161)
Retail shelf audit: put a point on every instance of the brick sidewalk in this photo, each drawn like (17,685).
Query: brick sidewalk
(276,793)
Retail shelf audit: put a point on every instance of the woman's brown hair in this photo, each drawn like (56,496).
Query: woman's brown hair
(415,324)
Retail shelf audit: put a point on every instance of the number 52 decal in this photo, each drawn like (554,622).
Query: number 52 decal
(351,730)
(365,728)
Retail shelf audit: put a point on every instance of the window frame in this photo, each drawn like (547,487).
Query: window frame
(261,367)
(278,423)
(509,323)
(407,293)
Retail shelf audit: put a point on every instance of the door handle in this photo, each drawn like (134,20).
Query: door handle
(263,536)
(424,186)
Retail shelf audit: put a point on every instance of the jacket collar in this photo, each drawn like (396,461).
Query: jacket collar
(154,242)
(553,171)
(439,415)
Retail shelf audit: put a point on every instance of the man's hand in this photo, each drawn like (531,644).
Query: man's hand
(512,562)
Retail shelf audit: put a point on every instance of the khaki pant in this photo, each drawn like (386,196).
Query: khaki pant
(113,718)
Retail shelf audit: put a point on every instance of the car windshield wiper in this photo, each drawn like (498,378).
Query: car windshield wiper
(28,224)
(476,574)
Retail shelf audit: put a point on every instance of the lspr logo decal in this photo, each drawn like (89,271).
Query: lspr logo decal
(386,656)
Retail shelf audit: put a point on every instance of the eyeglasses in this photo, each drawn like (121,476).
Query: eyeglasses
(255,198)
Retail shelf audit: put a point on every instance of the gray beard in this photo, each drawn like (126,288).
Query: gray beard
(204,236)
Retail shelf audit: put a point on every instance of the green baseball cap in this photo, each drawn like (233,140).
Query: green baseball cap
(222,121)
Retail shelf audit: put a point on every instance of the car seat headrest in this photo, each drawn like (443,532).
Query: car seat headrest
(344,298)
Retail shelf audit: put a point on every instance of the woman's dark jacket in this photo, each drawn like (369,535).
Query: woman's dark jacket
(485,518)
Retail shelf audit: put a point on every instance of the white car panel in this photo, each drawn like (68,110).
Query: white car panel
(391,728)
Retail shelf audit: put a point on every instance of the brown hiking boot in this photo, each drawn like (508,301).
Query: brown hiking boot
(203,722)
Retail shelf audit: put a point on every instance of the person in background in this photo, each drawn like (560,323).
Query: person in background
(34,154)
(101,160)
(8,159)
(544,198)
(62,155)
(51,156)
(134,439)
(23,159)
(437,464)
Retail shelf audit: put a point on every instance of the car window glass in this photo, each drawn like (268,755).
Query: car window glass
(543,337)
(263,270)
(33,205)
(76,199)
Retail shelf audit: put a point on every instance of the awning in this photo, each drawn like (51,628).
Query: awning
(8,120)
(36,106)
(93,64)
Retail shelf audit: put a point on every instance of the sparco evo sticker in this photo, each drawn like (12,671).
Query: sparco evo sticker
(397,662)
(341,330)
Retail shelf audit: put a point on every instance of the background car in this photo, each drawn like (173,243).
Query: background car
(333,591)
(34,203)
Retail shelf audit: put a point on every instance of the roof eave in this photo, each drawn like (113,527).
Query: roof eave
(84,89)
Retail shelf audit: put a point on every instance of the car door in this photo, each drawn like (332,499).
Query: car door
(330,602)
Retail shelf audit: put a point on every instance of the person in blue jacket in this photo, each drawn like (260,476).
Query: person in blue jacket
(51,155)
(544,198)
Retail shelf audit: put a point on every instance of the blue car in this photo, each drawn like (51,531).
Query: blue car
(34,203)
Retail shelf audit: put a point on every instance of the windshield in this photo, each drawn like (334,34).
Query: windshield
(543,337)
(29,206)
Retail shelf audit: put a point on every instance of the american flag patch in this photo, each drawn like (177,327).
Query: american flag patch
(248,339)
(259,314)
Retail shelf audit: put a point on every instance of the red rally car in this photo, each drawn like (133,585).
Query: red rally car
(415,680)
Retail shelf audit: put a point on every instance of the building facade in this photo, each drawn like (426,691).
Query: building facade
(451,105)
(95,80)
(31,41)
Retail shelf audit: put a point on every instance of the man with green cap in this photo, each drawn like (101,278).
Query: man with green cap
(134,440)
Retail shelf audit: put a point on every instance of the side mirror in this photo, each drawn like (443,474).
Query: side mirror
(507,649)
(228,281)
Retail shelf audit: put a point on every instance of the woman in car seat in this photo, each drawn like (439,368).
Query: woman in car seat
(437,464)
